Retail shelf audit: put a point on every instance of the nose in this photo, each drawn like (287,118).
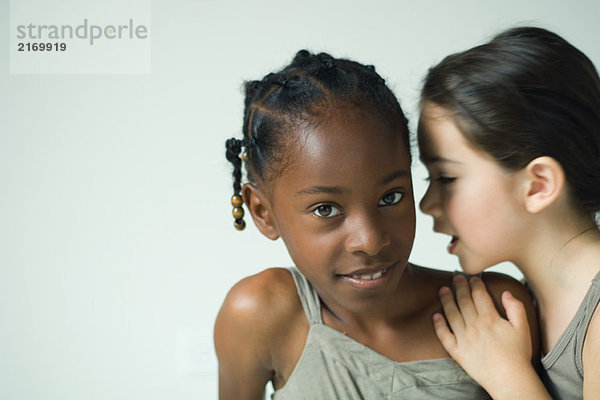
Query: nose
(430,203)
(367,234)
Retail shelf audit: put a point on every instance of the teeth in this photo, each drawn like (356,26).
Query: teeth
(376,275)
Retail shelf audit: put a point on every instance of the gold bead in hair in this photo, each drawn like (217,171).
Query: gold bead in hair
(238,212)
(236,200)
(239,224)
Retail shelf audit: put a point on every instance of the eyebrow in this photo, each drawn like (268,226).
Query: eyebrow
(401,173)
(321,189)
(338,190)
(436,159)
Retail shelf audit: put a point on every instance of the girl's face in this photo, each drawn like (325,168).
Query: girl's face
(470,197)
(344,207)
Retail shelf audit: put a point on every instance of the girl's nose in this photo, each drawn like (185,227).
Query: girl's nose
(367,235)
(430,203)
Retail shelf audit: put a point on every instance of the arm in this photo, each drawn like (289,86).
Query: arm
(246,334)
(495,351)
(591,359)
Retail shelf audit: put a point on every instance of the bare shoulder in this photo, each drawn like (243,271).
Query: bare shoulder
(261,289)
(495,282)
(250,332)
(498,283)
(425,284)
(258,302)
(431,276)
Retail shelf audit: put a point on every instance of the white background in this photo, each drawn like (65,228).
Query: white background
(116,238)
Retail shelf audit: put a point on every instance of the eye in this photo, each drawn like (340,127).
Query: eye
(445,180)
(326,211)
(391,198)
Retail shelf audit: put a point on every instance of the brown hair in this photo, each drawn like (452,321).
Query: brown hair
(527,93)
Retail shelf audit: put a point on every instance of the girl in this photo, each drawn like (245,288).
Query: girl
(510,133)
(326,149)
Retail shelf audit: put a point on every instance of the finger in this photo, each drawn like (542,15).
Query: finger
(481,297)
(464,299)
(515,312)
(443,333)
(453,315)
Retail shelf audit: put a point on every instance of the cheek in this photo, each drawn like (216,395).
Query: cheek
(312,250)
(470,211)
(402,230)
(408,224)
(481,217)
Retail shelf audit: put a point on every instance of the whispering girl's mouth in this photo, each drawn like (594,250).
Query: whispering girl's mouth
(452,245)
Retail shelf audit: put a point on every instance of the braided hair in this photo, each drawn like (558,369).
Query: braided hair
(281,102)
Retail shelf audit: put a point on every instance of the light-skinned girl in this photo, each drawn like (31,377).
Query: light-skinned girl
(510,134)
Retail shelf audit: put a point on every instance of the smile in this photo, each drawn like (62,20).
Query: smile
(371,280)
(376,275)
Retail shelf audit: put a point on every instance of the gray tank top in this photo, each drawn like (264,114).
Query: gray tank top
(563,365)
(333,366)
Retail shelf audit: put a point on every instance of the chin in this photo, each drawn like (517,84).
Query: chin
(472,268)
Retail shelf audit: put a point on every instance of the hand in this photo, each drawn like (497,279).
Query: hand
(494,351)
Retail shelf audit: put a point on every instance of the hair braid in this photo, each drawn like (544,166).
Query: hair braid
(234,147)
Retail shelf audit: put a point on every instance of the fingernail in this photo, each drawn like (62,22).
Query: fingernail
(459,278)
(437,316)
(444,290)
(475,280)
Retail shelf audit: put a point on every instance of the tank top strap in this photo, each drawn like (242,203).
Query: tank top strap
(584,314)
(308,297)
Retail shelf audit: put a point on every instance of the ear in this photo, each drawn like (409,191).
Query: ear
(260,208)
(545,181)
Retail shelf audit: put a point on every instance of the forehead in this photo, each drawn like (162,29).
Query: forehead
(442,140)
(348,145)
(438,133)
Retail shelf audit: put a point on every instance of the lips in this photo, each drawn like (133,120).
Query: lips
(452,245)
(368,279)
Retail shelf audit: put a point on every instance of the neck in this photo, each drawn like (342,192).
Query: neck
(562,257)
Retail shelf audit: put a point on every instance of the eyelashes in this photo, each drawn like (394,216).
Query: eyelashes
(444,180)
(331,210)
(391,198)
(326,211)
